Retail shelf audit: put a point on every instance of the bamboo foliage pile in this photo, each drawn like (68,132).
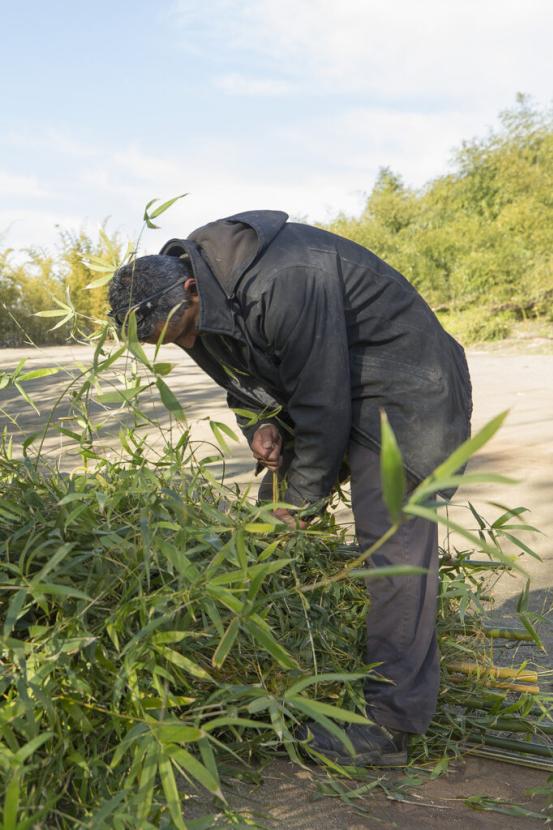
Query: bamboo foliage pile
(157,628)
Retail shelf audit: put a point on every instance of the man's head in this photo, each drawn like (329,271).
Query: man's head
(155,286)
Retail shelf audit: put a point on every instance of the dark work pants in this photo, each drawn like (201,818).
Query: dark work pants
(401,623)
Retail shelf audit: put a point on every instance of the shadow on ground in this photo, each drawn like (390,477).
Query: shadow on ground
(290,798)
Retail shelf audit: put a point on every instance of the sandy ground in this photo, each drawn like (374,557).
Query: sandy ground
(523,450)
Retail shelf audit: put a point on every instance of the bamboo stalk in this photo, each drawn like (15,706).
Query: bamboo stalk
(493,633)
(487,701)
(525,675)
(475,563)
(508,634)
(526,747)
(276,494)
(515,687)
(506,724)
(509,758)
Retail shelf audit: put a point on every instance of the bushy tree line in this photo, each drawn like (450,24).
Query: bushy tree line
(42,280)
(477,242)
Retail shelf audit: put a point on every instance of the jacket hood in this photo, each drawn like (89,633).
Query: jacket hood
(231,245)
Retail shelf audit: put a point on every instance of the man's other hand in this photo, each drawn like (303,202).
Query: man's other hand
(292,521)
(267,446)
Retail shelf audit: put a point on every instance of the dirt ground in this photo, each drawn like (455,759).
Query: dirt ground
(519,379)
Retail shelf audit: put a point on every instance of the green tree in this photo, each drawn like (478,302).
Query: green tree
(479,240)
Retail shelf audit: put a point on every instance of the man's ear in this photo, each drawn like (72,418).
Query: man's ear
(190,285)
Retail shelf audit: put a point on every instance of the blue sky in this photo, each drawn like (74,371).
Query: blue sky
(245,103)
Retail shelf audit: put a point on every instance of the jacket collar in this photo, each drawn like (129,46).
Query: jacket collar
(230,246)
(216,315)
(265,224)
(221,253)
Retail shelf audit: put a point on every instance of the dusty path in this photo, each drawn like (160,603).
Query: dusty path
(523,449)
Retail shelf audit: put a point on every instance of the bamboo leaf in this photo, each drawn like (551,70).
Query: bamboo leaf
(229,720)
(226,643)
(267,552)
(392,474)
(57,590)
(328,677)
(163,368)
(61,323)
(31,746)
(225,597)
(107,277)
(52,312)
(508,513)
(177,733)
(326,709)
(265,638)
(262,570)
(147,780)
(38,373)
(196,769)
(219,431)
(11,800)
(493,551)
(52,563)
(520,544)
(183,662)
(15,607)
(525,620)
(169,400)
(132,341)
(171,792)
(259,527)
(241,550)
(304,706)
(165,206)
(118,396)
(163,637)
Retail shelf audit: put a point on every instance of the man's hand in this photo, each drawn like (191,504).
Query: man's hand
(267,446)
(289,519)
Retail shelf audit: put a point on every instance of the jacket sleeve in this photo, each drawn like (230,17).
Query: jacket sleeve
(305,332)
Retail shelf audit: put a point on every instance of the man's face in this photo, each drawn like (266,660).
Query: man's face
(179,326)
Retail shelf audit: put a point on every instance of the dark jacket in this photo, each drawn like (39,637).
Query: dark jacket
(292,315)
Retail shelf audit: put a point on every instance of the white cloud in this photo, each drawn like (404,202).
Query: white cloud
(469,50)
(363,139)
(28,228)
(312,168)
(54,140)
(13,186)
(385,82)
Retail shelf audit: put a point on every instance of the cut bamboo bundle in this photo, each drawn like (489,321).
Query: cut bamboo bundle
(506,757)
(524,747)
(515,687)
